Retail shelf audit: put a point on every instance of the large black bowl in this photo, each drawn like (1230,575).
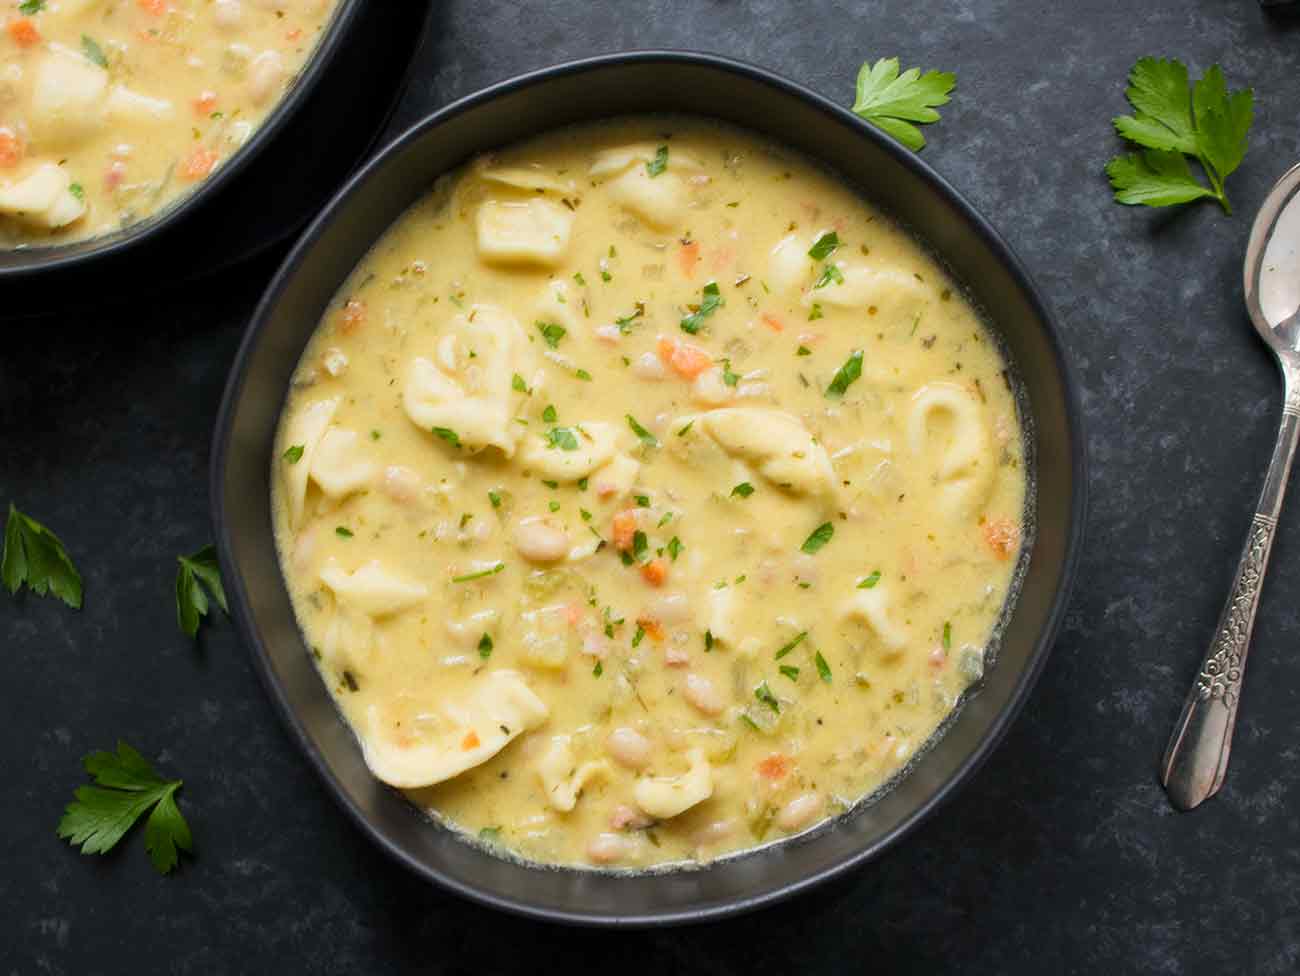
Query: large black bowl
(892,178)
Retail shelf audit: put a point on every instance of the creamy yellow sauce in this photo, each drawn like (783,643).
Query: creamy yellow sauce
(111,110)
(645,495)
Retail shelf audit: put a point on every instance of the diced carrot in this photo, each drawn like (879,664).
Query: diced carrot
(688,257)
(155,7)
(471,740)
(772,322)
(655,572)
(1002,536)
(686,360)
(624,529)
(293,35)
(23,32)
(354,316)
(572,614)
(206,103)
(199,163)
(775,766)
(11,147)
(653,629)
(115,174)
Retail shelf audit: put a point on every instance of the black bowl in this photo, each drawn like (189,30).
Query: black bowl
(26,263)
(580,91)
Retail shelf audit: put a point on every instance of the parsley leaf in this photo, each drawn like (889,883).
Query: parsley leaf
(744,489)
(823,669)
(787,648)
(790,671)
(490,571)
(35,556)
(819,537)
(562,437)
(485,646)
(1173,120)
(829,274)
(660,163)
(29,7)
(891,101)
(764,694)
(93,52)
(642,434)
(846,375)
(448,435)
(675,548)
(552,332)
(549,413)
(712,301)
(199,575)
(293,454)
(77,190)
(517,384)
(870,581)
(126,788)
(824,246)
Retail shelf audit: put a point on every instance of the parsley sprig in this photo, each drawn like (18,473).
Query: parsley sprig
(892,102)
(126,788)
(34,556)
(1174,120)
(199,575)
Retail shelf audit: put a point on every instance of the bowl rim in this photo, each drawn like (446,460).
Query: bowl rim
(327,47)
(1073,544)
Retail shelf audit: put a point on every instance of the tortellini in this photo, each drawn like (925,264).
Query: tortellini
(340,465)
(789,265)
(499,709)
(562,777)
(371,589)
(665,797)
(723,615)
(523,232)
(72,98)
(895,295)
(660,200)
(964,469)
(596,444)
(44,198)
(468,400)
(530,178)
(301,438)
(777,443)
(872,607)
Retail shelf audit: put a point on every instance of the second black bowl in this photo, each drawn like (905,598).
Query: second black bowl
(881,170)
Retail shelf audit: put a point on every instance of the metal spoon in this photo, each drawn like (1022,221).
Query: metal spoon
(1196,759)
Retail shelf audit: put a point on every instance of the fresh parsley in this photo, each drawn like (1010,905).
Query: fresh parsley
(490,571)
(675,548)
(824,246)
(870,581)
(787,648)
(294,454)
(846,375)
(552,332)
(744,490)
(643,435)
(823,669)
(790,671)
(660,163)
(892,102)
(198,578)
(1173,120)
(29,7)
(448,435)
(562,437)
(947,635)
(710,303)
(485,646)
(93,52)
(819,537)
(126,788)
(517,384)
(764,694)
(33,555)
(549,413)
(830,275)
(77,190)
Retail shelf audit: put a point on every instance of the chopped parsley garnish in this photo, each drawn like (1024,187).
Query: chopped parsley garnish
(598,670)
(814,314)
(643,501)
(847,375)
(550,484)
(126,788)
(646,438)
(77,190)
(345,533)
(495,499)
(728,377)
(294,454)
(485,646)
(744,490)
(787,648)
(93,52)
(197,572)
(553,506)
(819,537)
(892,102)
(582,374)
(708,640)
(829,274)
(552,332)
(625,322)
(675,548)
(490,571)
(639,636)
(448,435)
(640,544)
(549,414)
(824,246)
(577,276)
(764,694)
(517,384)
(582,484)
(712,302)
(586,515)
(823,669)
(34,555)
(685,430)
(563,438)
(947,635)
(790,671)
(29,7)
(870,581)
(660,163)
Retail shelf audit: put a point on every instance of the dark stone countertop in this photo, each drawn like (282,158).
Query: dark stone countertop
(1061,855)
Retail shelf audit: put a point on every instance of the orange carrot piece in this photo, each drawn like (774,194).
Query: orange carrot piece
(199,163)
(23,32)
(624,529)
(471,740)
(11,147)
(155,7)
(1002,536)
(354,316)
(775,766)
(206,103)
(572,614)
(655,572)
(772,322)
(688,257)
(653,629)
(686,360)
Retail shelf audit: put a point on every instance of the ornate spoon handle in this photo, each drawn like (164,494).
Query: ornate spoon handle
(1196,758)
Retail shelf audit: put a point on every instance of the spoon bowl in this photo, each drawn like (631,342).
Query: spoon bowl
(1272,266)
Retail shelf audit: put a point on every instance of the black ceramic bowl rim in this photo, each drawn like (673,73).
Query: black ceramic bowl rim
(78,253)
(1072,534)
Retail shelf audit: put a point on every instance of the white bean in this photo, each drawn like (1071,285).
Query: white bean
(702,694)
(266,77)
(669,608)
(401,483)
(718,830)
(608,848)
(541,540)
(629,747)
(799,812)
(710,388)
(648,366)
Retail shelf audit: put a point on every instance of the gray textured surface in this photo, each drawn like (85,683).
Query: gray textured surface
(1061,855)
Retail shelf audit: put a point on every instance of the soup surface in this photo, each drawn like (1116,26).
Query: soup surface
(112,109)
(645,495)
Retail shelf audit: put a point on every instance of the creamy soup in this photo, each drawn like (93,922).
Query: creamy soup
(112,109)
(645,495)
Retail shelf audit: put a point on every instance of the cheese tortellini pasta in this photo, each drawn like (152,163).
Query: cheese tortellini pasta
(645,496)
